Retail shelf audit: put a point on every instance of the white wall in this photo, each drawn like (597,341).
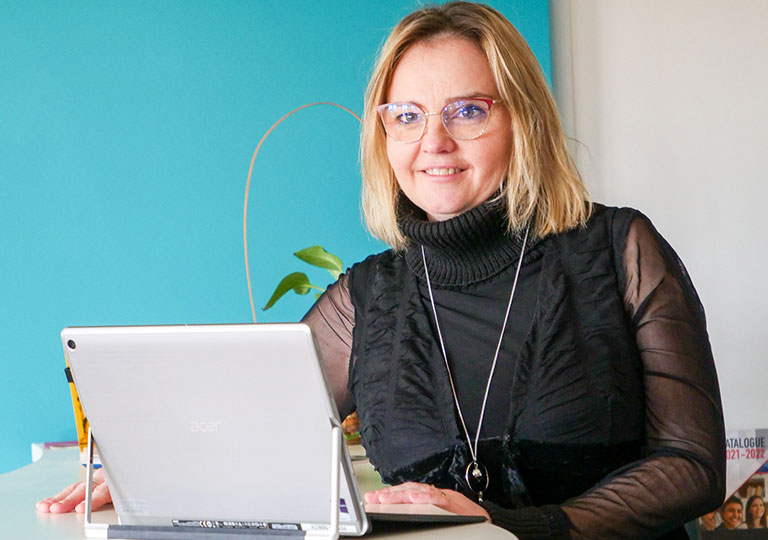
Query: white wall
(669,100)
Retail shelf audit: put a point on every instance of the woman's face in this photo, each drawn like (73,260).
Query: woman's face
(441,175)
(756,509)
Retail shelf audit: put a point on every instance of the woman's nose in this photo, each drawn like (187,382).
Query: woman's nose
(436,139)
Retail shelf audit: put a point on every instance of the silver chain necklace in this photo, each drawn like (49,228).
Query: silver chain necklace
(476,475)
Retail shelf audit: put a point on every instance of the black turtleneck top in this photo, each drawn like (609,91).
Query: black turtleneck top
(472,264)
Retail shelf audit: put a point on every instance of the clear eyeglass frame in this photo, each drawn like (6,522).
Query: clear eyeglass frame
(459,128)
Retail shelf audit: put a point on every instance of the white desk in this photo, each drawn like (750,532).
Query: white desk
(58,468)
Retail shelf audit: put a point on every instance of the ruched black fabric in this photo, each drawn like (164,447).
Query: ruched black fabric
(615,425)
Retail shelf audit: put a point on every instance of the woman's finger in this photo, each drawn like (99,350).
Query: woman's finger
(437,497)
(68,503)
(44,505)
(406,486)
(398,494)
(99,498)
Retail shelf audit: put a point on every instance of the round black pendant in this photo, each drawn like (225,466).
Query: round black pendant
(476,476)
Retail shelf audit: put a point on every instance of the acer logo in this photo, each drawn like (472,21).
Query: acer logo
(204,427)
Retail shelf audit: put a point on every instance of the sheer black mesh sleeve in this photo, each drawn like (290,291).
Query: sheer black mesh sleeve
(683,475)
(332,320)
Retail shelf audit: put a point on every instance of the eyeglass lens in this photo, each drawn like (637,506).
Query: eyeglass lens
(464,119)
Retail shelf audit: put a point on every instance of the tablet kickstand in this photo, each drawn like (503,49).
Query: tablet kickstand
(92,530)
(336,442)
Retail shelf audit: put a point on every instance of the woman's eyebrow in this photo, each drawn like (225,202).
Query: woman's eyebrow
(471,95)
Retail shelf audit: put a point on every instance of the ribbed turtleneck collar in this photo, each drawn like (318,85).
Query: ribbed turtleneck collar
(469,248)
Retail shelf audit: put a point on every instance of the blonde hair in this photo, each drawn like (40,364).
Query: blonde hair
(541,186)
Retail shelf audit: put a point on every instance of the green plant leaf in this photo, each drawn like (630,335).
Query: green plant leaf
(317,256)
(297,282)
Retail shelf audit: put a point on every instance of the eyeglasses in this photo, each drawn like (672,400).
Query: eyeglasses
(464,119)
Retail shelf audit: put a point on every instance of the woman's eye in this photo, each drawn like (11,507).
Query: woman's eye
(469,112)
(407,118)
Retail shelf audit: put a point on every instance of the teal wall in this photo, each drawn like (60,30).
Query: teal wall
(126,132)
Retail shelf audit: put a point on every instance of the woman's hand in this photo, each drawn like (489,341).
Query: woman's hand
(414,493)
(73,497)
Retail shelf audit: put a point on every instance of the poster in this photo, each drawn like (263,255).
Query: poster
(743,514)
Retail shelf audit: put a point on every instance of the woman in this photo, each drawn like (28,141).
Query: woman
(594,395)
(755,513)
(520,353)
